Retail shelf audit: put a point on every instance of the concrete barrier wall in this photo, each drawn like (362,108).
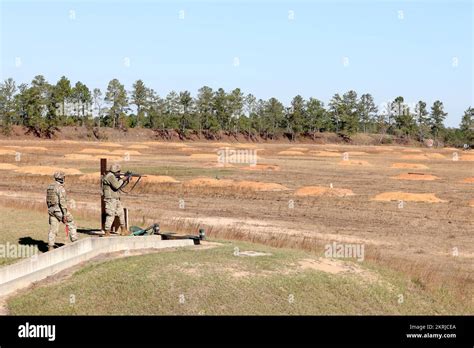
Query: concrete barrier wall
(38,267)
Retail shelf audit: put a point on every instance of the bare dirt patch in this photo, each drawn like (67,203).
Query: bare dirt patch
(471,203)
(8,166)
(79,157)
(326,154)
(203,156)
(357,153)
(337,267)
(91,177)
(323,191)
(217,165)
(95,151)
(466,180)
(409,166)
(7,152)
(415,176)
(29,148)
(466,157)
(223,183)
(435,156)
(291,153)
(110,144)
(159,179)
(414,157)
(301,149)
(126,152)
(412,150)
(354,163)
(409,197)
(138,147)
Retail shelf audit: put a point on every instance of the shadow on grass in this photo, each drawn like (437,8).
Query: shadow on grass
(41,244)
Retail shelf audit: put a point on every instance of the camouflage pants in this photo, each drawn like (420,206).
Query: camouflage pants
(55,218)
(113,208)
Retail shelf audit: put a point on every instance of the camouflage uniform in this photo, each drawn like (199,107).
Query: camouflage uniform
(111,191)
(57,210)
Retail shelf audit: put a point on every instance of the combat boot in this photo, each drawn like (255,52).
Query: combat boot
(124,231)
(106,233)
(50,247)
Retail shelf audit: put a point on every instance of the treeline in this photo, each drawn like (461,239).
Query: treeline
(43,107)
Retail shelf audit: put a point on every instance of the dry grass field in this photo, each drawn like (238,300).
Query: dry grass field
(412,208)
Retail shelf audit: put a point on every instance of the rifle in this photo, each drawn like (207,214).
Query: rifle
(128,174)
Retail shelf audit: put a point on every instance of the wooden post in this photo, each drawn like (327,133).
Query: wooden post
(103,171)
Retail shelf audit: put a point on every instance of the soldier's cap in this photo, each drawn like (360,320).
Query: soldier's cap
(115,167)
(59,175)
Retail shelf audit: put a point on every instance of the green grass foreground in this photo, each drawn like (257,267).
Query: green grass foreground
(214,281)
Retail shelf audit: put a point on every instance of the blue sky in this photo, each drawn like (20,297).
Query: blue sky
(417,49)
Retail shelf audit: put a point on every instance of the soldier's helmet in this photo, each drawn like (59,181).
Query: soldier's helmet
(115,168)
(59,176)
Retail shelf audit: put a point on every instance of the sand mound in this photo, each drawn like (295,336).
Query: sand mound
(291,153)
(269,167)
(208,182)
(245,146)
(126,152)
(415,176)
(468,180)
(409,197)
(158,179)
(414,157)
(204,156)
(7,166)
(189,149)
(110,144)
(260,186)
(28,148)
(409,166)
(357,153)
(326,154)
(94,151)
(110,158)
(469,157)
(298,149)
(45,170)
(323,191)
(79,157)
(227,183)
(435,156)
(7,152)
(354,163)
(159,143)
(217,165)
(138,146)
(412,150)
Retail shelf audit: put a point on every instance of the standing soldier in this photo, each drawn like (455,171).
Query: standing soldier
(111,189)
(57,210)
